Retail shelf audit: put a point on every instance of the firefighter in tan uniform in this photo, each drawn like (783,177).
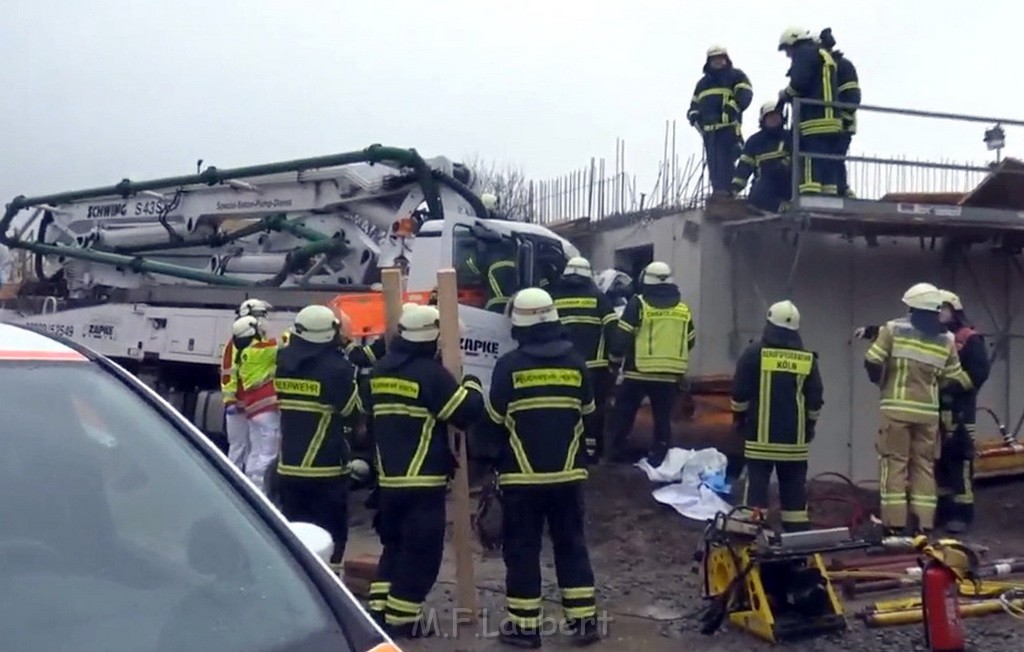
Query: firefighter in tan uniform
(911,358)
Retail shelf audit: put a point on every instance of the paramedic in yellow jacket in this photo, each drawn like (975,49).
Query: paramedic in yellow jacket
(256,366)
(912,357)
(236,426)
(655,334)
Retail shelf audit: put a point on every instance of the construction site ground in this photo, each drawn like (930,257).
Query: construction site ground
(648,584)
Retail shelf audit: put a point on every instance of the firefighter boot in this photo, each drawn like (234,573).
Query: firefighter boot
(583,631)
(515,636)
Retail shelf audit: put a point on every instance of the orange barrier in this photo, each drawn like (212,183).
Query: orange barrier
(366,311)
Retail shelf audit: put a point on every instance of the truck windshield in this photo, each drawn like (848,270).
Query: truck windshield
(116,534)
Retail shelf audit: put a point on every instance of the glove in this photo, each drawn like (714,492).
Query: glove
(693,118)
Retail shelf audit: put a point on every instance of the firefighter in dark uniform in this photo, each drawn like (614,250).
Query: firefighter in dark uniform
(655,336)
(316,390)
(716,110)
(589,319)
(412,399)
(848,93)
(954,473)
(540,398)
(766,155)
(776,398)
(813,75)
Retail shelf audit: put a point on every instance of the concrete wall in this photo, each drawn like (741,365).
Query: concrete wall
(839,284)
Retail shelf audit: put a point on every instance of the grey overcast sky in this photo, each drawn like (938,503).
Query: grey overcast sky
(95,90)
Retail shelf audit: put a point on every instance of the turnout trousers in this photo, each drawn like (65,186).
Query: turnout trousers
(320,501)
(722,149)
(631,395)
(792,478)
(954,474)
(526,510)
(907,453)
(411,524)
(601,380)
(819,176)
(769,191)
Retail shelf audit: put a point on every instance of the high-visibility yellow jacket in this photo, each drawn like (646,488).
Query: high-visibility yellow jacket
(256,368)
(228,380)
(656,333)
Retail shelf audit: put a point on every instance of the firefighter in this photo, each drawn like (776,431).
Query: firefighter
(412,398)
(776,398)
(255,367)
(540,395)
(655,336)
(590,319)
(236,426)
(716,110)
(813,75)
(316,391)
(911,357)
(766,154)
(954,472)
(848,92)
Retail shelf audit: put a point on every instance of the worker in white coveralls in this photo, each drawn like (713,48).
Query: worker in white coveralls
(236,426)
(255,368)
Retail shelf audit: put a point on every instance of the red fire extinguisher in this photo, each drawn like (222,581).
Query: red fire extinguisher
(944,566)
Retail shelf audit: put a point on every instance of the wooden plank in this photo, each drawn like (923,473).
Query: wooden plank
(451,356)
(393,286)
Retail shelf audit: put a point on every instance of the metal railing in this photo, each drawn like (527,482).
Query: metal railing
(874,177)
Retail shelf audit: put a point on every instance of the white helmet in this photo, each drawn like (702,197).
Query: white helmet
(793,35)
(248,326)
(770,106)
(657,273)
(419,323)
(717,51)
(923,296)
(533,306)
(489,200)
(317,324)
(254,307)
(952,299)
(578,266)
(784,315)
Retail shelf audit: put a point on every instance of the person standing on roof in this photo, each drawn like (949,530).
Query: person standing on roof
(412,399)
(589,319)
(316,391)
(540,397)
(255,367)
(813,75)
(909,360)
(766,154)
(848,92)
(716,110)
(236,426)
(776,399)
(954,472)
(655,336)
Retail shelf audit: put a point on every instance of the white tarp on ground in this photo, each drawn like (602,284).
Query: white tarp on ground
(690,475)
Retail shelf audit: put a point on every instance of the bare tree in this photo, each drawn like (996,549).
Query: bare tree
(507,182)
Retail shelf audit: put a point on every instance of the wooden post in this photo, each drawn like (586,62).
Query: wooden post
(451,356)
(393,288)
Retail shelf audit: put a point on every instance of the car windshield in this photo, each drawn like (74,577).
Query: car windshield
(116,534)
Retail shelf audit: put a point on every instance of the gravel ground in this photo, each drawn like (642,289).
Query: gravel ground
(648,584)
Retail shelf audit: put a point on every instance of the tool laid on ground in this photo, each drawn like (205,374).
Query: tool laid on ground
(773,585)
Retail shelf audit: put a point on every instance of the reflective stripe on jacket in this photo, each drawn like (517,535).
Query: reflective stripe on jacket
(316,391)
(914,366)
(256,367)
(781,391)
(537,405)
